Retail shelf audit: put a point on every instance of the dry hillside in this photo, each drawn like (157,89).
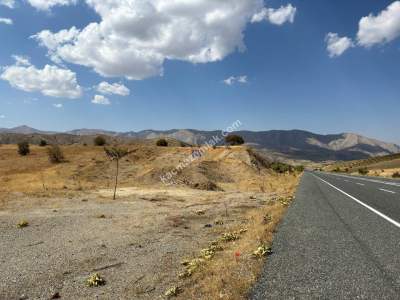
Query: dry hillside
(385,166)
(60,225)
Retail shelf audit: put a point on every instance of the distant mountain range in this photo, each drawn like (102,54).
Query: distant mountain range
(292,144)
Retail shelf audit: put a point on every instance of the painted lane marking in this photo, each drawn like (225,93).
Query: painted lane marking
(362,184)
(367,179)
(387,191)
(397,224)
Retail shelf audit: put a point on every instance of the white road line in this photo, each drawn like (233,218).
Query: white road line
(362,184)
(368,179)
(387,191)
(397,224)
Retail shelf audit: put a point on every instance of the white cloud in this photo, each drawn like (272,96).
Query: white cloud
(47,4)
(380,29)
(277,16)
(2,116)
(235,79)
(58,105)
(135,37)
(8,3)
(336,45)
(115,88)
(50,81)
(6,21)
(21,60)
(100,99)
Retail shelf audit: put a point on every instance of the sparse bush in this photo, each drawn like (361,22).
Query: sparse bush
(363,171)
(162,143)
(22,224)
(299,168)
(281,167)
(337,170)
(262,251)
(95,280)
(396,175)
(23,148)
(234,140)
(55,154)
(99,141)
(43,143)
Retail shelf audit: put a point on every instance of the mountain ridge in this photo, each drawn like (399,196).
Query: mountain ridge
(295,144)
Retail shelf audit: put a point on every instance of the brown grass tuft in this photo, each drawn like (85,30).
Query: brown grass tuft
(229,273)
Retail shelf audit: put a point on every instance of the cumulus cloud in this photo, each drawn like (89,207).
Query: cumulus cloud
(380,29)
(236,79)
(115,88)
(21,60)
(135,37)
(336,45)
(50,81)
(372,30)
(47,4)
(277,16)
(8,3)
(58,105)
(100,99)
(6,21)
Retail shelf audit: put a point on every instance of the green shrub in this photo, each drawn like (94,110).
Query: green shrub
(162,143)
(363,171)
(23,148)
(55,154)
(396,175)
(99,141)
(337,170)
(299,168)
(281,167)
(43,143)
(234,140)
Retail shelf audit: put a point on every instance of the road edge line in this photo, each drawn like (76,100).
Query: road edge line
(397,224)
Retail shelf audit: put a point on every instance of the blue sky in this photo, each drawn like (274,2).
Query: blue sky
(290,77)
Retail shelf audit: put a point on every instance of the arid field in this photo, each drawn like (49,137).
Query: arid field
(204,238)
(382,166)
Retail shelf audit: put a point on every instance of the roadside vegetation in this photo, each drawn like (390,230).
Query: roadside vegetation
(384,166)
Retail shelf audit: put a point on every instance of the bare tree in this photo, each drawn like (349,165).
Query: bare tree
(115,154)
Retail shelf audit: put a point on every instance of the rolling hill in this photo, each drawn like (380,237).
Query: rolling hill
(290,144)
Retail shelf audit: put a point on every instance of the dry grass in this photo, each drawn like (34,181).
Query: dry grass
(232,271)
(384,166)
(178,221)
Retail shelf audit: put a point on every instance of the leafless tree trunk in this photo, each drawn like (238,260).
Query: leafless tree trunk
(116,180)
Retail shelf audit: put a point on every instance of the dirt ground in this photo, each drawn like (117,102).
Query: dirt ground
(137,242)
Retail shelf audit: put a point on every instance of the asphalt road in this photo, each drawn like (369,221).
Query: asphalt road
(339,240)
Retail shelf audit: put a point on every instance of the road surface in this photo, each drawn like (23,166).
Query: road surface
(339,240)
